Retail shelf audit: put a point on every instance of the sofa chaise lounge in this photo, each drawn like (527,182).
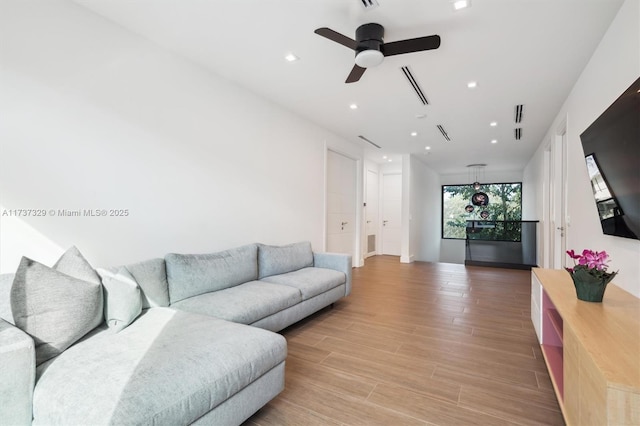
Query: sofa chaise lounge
(188,339)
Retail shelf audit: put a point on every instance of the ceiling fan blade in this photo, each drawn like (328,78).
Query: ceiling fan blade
(337,37)
(411,45)
(355,74)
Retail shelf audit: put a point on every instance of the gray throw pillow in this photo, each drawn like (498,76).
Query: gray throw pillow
(73,263)
(54,308)
(275,260)
(122,299)
(6,280)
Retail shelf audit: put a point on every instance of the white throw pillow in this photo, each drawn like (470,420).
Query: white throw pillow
(122,298)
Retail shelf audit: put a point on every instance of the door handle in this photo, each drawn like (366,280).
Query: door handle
(344,223)
(384,222)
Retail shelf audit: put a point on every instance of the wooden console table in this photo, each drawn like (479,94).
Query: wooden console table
(592,350)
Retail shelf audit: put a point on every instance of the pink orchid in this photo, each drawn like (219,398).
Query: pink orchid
(573,255)
(595,260)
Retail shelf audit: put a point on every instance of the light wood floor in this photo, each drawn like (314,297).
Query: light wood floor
(417,344)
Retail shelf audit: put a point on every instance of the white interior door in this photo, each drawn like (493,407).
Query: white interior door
(557,205)
(391,214)
(371,212)
(341,203)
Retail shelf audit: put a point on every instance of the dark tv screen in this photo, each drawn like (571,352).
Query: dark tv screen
(612,151)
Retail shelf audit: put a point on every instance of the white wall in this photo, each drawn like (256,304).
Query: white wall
(425,223)
(95,117)
(613,67)
(452,251)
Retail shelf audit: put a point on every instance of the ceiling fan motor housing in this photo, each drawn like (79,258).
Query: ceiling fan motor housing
(369,37)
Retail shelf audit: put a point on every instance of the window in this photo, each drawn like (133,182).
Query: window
(505,203)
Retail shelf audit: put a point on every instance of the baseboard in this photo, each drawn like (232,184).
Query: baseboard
(499,265)
(407,259)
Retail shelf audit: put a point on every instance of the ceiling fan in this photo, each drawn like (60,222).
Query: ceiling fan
(371,49)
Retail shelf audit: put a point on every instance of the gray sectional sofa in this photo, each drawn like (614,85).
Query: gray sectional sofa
(188,339)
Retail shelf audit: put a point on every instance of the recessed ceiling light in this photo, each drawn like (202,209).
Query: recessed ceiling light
(472,84)
(461,4)
(414,133)
(494,141)
(420,116)
(290,57)
(353,106)
(427,148)
(384,157)
(390,160)
(493,124)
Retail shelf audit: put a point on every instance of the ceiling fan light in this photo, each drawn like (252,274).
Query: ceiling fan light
(369,58)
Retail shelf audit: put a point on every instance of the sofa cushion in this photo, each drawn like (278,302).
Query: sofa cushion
(194,274)
(54,308)
(151,276)
(274,260)
(245,303)
(167,368)
(310,281)
(122,299)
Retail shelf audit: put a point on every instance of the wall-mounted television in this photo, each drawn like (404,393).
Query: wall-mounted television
(612,151)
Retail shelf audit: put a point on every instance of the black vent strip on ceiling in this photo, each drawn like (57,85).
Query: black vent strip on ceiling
(518,116)
(367,140)
(368,4)
(444,133)
(518,132)
(415,85)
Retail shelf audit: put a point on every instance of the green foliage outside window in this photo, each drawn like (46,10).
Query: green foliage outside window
(505,203)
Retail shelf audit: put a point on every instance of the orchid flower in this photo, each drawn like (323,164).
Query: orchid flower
(596,260)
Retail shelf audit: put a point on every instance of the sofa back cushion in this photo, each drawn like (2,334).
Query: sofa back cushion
(55,308)
(194,274)
(275,260)
(151,276)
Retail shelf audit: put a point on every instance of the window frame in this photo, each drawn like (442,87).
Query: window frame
(442,218)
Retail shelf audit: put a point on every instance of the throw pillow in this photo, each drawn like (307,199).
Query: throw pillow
(275,260)
(6,280)
(56,309)
(151,276)
(73,263)
(122,299)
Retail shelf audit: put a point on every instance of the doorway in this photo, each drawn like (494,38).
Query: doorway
(555,158)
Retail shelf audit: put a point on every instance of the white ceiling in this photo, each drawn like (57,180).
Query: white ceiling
(527,52)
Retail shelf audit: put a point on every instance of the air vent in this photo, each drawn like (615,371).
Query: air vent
(518,132)
(444,133)
(367,140)
(369,4)
(518,113)
(415,85)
